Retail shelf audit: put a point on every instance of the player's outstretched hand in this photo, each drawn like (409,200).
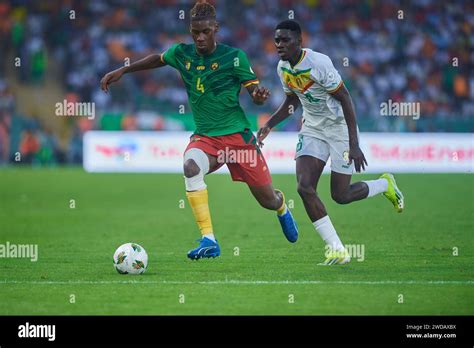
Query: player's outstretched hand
(109,78)
(262,134)
(356,155)
(260,95)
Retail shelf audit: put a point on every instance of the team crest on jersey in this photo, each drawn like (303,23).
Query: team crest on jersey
(188,65)
(300,80)
(215,66)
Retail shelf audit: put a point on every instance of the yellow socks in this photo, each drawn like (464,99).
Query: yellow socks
(282,210)
(200,206)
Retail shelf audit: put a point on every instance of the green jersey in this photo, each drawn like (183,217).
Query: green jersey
(213,85)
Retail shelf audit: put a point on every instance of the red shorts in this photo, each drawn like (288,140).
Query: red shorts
(241,154)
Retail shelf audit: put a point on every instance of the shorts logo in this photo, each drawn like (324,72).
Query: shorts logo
(345,156)
(299,146)
(215,66)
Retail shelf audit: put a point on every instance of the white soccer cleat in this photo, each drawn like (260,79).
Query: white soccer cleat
(336,257)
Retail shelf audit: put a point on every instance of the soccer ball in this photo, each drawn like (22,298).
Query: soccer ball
(130,258)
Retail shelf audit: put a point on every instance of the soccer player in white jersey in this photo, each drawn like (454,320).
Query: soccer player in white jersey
(329,130)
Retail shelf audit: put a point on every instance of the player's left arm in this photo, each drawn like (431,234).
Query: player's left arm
(355,153)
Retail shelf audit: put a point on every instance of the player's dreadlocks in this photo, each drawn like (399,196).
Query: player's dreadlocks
(202,11)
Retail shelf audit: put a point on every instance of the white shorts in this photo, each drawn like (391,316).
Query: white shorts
(323,149)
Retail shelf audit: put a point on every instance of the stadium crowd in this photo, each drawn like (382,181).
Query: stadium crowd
(420,51)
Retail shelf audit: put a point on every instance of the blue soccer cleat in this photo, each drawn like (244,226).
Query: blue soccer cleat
(289,226)
(206,249)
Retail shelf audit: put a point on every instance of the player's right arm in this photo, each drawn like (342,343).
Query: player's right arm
(150,62)
(287,108)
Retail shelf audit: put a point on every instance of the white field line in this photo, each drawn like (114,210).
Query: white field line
(240,282)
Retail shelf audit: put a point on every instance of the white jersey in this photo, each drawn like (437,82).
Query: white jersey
(312,79)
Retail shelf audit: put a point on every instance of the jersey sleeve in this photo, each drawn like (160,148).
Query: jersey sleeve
(325,74)
(243,70)
(169,57)
(286,89)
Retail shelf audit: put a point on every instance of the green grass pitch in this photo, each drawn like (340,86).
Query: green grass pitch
(410,264)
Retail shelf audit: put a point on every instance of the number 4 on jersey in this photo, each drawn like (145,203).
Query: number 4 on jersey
(200,86)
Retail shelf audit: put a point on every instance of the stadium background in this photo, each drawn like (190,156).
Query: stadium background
(410,60)
(418,262)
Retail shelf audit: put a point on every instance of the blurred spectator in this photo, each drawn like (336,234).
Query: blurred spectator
(29,146)
(49,152)
(75,147)
(4,137)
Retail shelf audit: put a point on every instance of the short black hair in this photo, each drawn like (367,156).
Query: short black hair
(202,11)
(289,25)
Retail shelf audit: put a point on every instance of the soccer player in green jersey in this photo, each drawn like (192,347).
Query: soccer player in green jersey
(213,74)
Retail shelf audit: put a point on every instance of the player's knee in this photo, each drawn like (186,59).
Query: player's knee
(196,165)
(191,169)
(340,197)
(305,190)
